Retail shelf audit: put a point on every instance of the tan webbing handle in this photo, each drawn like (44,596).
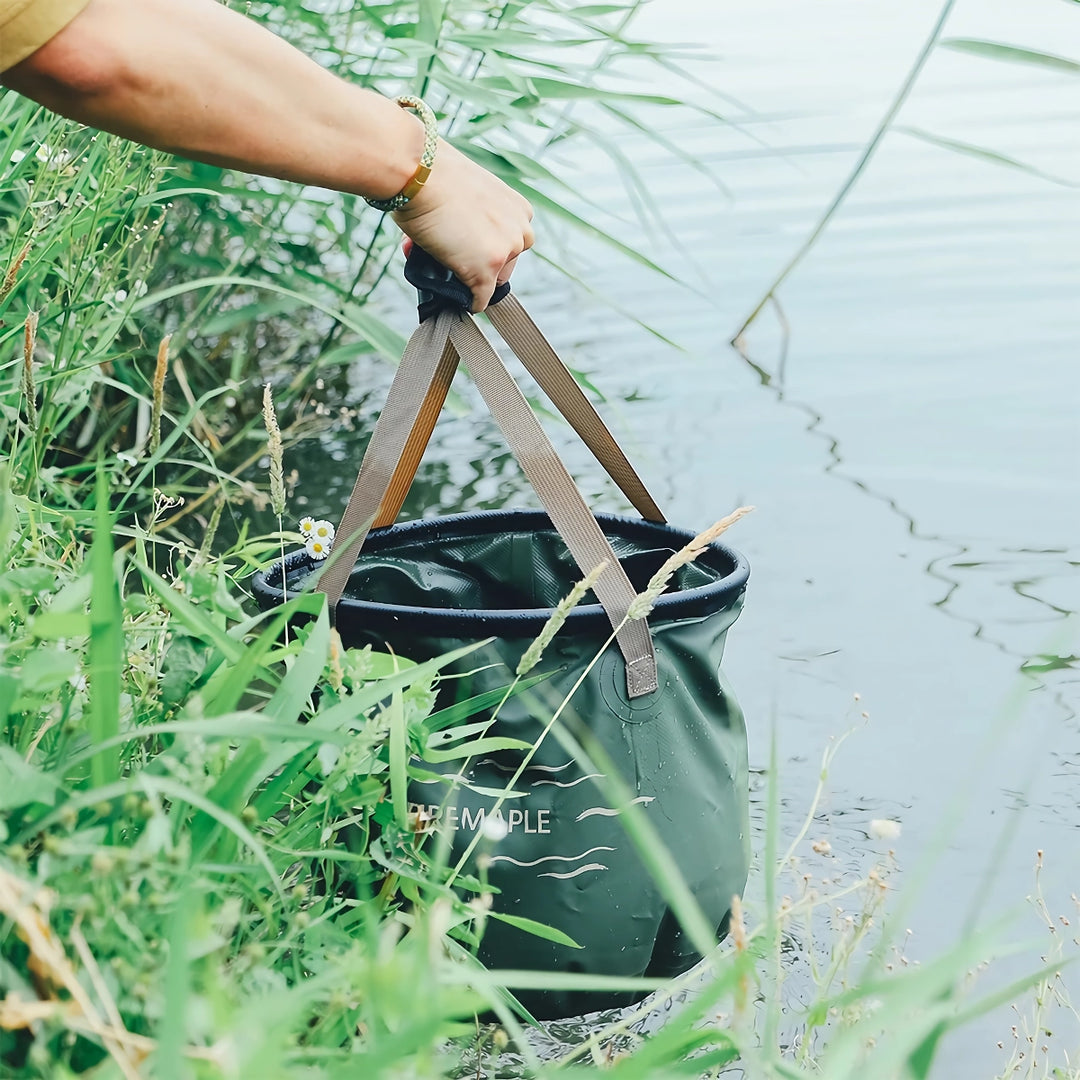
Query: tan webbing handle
(419,438)
(425,353)
(404,427)
(556,380)
(567,509)
(553,377)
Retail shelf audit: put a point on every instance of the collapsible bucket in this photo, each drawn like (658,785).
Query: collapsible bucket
(649,693)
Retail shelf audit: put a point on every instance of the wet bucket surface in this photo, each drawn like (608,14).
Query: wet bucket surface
(559,852)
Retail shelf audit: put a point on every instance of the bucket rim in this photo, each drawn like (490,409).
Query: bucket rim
(702,600)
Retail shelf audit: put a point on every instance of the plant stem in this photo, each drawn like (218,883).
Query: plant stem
(864,160)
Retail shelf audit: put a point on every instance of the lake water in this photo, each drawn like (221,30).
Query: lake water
(914,458)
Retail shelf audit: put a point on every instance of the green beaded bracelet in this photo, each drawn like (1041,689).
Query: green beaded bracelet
(427,158)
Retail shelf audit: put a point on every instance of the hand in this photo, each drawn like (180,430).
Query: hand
(469,220)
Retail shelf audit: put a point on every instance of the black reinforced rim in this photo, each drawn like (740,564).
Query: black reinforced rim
(357,614)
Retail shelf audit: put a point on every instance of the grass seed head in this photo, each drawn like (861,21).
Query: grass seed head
(276,452)
(557,618)
(12,274)
(29,388)
(160,370)
(642,604)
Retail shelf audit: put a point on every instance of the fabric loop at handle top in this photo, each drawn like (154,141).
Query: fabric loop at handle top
(439,288)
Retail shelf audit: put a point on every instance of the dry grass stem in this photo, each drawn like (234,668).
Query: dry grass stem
(335,673)
(28,909)
(160,370)
(276,452)
(29,389)
(12,274)
(557,618)
(16,1014)
(643,602)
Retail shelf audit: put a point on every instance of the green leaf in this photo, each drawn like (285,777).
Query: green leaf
(537,929)
(922,1057)
(192,616)
(169,1055)
(59,625)
(9,691)
(296,688)
(105,656)
(983,154)
(178,792)
(235,679)
(21,784)
(480,746)
(236,726)
(184,668)
(380,336)
(549,89)
(28,579)
(46,669)
(996,50)
(462,710)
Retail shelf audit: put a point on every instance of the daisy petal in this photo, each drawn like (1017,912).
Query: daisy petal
(317,549)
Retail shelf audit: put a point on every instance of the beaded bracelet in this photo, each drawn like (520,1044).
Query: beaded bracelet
(427,158)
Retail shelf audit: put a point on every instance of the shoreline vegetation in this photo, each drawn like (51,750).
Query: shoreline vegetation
(209,868)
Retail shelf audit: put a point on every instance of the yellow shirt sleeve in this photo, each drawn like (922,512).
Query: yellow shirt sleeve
(25,25)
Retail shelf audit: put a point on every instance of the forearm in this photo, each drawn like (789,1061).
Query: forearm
(193,78)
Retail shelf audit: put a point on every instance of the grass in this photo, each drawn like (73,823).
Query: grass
(207,867)
(176,904)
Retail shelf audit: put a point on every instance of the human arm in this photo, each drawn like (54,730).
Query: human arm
(196,79)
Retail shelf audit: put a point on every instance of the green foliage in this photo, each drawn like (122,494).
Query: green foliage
(225,881)
(114,246)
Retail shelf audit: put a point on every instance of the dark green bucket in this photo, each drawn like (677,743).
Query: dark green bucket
(426,587)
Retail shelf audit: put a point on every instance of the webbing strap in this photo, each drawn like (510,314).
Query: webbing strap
(424,355)
(564,503)
(419,437)
(555,379)
(404,427)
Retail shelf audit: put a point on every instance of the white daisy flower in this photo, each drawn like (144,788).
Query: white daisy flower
(307,525)
(323,530)
(317,549)
(55,159)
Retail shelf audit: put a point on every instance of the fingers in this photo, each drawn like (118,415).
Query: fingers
(504,274)
(482,294)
